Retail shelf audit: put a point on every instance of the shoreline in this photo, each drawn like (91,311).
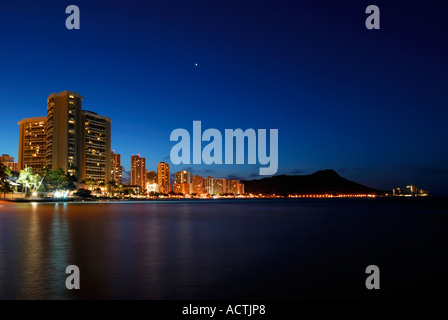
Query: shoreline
(76,200)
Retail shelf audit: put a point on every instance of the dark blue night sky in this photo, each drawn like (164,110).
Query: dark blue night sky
(371,104)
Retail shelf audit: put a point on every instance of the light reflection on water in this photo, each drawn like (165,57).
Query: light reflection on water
(218,249)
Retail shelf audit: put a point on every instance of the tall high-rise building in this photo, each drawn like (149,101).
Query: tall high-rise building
(95,144)
(69,138)
(182,182)
(138,171)
(64,132)
(241,188)
(9,162)
(32,143)
(232,186)
(235,187)
(411,189)
(219,186)
(208,185)
(151,177)
(116,170)
(198,184)
(163,173)
(182,177)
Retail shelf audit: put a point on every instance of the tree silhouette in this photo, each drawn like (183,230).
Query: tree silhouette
(5,186)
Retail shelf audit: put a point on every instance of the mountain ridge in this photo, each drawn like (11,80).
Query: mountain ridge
(319,182)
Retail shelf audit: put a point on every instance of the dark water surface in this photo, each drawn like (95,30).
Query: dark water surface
(232,249)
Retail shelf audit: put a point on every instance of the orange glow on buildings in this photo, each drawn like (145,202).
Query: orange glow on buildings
(138,171)
(116,168)
(32,143)
(163,174)
(198,184)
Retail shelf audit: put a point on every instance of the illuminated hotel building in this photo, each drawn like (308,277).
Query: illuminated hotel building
(235,187)
(163,173)
(241,188)
(116,170)
(208,185)
(151,177)
(69,138)
(182,177)
(198,184)
(95,144)
(9,162)
(182,182)
(138,171)
(232,186)
(219,186)
(64,131)
(32,143)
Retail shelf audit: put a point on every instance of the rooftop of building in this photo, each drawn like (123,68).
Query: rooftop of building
(65,93)
(33,119)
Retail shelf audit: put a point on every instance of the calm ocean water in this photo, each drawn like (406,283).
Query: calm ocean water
(232,249)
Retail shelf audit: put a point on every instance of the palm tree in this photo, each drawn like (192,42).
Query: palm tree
(30,180)
(111,187)
(90,183)
(55,179)
(26,178)
(5,187)
(120,189)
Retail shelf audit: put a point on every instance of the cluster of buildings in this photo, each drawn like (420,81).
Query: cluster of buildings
(9,162)
(79,141)
(68,137)
(409,191)
(184,183)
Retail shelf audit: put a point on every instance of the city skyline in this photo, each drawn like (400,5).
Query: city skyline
(78,141)
(369,104)
(138,172)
